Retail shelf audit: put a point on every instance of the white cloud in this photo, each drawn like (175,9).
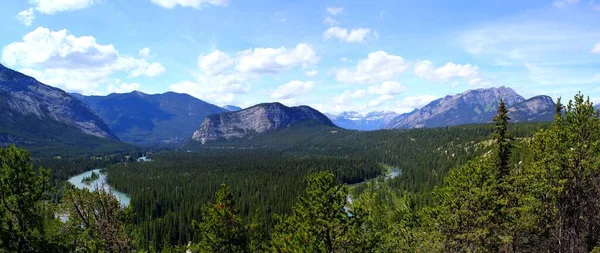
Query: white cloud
(564,3)
(387,88)
(121,87)
(73,63)
(335,10)
(347,95)
(380,100)
(275,60)
(26,17)
(379,66)
(54,6)
(353,36)
(409,103)
(223,76)
(208,92)
(196,4)
(215,63)
(596,49)
(448,72)
(292,89)
(144,52)
(311,73)
(147,69)
(330,21)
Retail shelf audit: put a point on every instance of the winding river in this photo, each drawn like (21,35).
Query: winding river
(123,198)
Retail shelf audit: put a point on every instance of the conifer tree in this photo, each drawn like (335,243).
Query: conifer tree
(318,222)
(22,213)
(220,228)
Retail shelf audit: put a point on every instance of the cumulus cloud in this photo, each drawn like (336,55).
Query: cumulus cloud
(223,76)
(311,73)
(448,72)
(387,88)
(196,4)
(54,6)
(378,66)
(292,89)
(596,49)
(380,100)
(26,17)
(348,96)
(350,36)
(564,3)
(144,52)
(330,21)
(335,10)
(275,60)
(409,103)
(120,87)
(74,63)
(215,63)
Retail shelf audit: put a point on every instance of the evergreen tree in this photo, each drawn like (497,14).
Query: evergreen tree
(318,222)
(564,178)
(503,143)
(220,228)
(22,212)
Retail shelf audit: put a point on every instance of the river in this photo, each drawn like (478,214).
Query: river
(123,198)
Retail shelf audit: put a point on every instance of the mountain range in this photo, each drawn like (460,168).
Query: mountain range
(475,106)
(34,113)
(145,119)
(257,119)
(39,116)
(357,121)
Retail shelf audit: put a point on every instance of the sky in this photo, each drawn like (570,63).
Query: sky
(375,55)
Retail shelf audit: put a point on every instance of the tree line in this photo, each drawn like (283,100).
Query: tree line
(516,194)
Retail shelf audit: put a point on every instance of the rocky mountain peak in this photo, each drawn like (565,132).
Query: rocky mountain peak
(23,96)
(472,106)
(260,118)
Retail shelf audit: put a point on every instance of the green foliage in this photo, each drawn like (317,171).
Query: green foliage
(562,178)
(22,190)
(220,228)
(97,223)
(318,222)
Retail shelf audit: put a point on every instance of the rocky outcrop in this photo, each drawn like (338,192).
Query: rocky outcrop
(473,106)
(538,108)
(257,119)
(22,97)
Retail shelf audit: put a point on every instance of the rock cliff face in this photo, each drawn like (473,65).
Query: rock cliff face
(538,108)
(150,119)
(473,106)
(357,121)
(260,118)
(22,98)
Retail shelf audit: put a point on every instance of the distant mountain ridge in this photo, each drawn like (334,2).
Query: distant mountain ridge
(145,119)
(257,119)
(232,108)
(23,96)
(538,108)
(475,106)
(357,121)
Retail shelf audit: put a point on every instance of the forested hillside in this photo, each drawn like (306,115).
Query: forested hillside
(487,188)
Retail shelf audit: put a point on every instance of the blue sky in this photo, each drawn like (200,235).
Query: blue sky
(333,55)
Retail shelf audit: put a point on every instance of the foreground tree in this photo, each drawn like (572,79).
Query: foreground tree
(221,229)
(318,222)
(97,222)
(22,211)
(472,211)
(564,179)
